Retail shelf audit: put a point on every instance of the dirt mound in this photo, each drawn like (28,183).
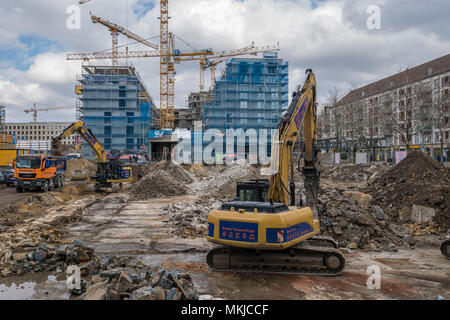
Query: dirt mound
(417,180)
(164,179)
(415,165)
(78,167)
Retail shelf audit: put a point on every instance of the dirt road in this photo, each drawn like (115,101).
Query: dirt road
(9,195)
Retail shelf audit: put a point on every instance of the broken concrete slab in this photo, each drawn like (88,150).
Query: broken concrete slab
(362,199)
(422,214)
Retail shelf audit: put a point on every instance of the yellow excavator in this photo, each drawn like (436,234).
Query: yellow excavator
(110,174)
(262,230)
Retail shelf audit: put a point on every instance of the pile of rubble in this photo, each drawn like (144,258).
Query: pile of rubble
(352,219)
(30,257)
(222,185)
(354,173)
(416,181)
(117,278)
(189,217)
(125,278)
(164,179)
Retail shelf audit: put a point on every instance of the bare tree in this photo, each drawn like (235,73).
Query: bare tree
(405,113)
(336,120)
(438,113)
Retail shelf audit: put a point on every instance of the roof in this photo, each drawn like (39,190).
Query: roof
(411,75)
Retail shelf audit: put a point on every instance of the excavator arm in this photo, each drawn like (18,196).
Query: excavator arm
(80,128)
(301,112)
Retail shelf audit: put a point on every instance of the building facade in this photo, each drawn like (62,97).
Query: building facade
(38,131)
(404,99)
(250,94)
(117,108)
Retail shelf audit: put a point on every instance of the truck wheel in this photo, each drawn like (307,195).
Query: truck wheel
(45,186)
(58,182)
(51,185)
(19,189)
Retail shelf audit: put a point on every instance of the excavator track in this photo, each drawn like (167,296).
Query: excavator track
(445,248)
(300,259)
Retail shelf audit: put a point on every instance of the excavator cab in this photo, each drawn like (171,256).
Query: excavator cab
(253,190)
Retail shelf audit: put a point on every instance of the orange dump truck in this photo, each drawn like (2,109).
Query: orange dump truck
(39,172)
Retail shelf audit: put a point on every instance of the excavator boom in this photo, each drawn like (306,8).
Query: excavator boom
(80,128)
(301,112)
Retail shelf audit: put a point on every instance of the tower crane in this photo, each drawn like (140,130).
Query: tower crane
(168,56)
(35,110)
(209,63)
(115,30)
(205,57)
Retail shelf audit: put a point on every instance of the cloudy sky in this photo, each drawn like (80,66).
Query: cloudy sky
(330,36)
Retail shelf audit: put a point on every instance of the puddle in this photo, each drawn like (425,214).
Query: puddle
(34,287)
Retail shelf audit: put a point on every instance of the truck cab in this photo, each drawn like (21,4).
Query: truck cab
(39,172)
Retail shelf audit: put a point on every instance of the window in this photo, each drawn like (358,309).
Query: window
(271,69)
(130,120)
(122,104)
(107,130)
(130,114)
(130,130)
(107,120)
(108,114)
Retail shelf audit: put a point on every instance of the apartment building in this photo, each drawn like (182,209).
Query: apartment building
(38,131)
(371,102)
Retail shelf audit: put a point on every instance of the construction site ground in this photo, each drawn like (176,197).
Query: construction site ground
(160,219)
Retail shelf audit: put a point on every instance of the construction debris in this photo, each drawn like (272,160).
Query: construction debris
(80,169)
(416,181)
(163,180)
(125,278)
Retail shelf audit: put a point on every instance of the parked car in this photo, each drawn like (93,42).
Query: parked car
(8,177)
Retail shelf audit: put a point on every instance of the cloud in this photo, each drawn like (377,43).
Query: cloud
(331,37)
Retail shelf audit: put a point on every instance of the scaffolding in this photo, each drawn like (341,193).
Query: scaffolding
(116,107)
(250,94)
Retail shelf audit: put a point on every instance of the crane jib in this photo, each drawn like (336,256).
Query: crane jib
(301,114)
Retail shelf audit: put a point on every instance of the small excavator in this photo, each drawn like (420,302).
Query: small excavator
(262,230)
(110,174)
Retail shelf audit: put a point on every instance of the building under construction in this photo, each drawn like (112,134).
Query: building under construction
(116,106)
(252,93)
